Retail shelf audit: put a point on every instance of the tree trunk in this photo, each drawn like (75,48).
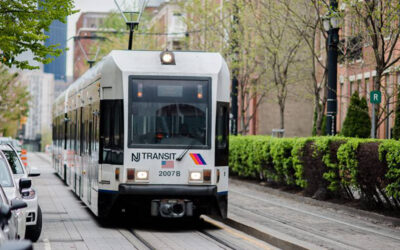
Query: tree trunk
(282,114)
(377,86)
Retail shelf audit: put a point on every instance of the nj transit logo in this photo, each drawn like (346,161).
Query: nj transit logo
(198,159)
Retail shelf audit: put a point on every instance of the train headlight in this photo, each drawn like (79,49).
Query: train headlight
(142,175)
(167,58)
(195,176)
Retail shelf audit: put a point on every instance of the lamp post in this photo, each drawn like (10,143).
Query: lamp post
(331,26)
(131,11)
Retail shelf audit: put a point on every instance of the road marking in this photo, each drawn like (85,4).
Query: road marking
(237,233)
(47,245)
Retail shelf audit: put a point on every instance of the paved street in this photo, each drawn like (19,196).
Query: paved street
(68,224)
(310,226)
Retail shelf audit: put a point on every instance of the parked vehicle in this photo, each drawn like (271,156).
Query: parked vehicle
(13,193)
(9,217)
(17,245)
(15,143)
(33,211)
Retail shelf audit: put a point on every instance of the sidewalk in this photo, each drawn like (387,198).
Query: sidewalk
(67,223)
(299,222)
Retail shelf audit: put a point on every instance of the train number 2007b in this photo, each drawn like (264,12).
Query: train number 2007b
(169,173)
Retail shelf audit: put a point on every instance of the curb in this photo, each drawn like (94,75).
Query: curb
(362,214)
(264,236)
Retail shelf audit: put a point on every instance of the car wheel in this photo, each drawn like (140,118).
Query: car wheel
(33,232)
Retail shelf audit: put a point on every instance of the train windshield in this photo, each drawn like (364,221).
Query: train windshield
(169,113)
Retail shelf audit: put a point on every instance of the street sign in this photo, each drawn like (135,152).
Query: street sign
(375,97)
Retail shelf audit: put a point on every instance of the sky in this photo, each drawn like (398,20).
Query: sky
(83,6)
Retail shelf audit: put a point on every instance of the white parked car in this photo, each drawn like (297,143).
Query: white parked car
(13,194)
(33,212)
(9,217)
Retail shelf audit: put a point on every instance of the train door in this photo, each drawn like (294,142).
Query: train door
(89,142)
(81,149)
(111,141)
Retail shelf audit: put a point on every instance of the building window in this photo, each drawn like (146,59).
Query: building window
(351,88)
(367,85)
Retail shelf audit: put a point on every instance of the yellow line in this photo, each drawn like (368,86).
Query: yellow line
(237,233)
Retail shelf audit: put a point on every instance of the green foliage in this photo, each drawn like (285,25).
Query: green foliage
(357,122)
(22,26)
(284,160)
(348,164)
(14,98)
(396,128)
(389,153)
(298,165)
(323,147)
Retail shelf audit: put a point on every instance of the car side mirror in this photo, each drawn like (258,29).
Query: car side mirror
(5,213)
(16,245)
(34,172)
(17,204)
(24,184)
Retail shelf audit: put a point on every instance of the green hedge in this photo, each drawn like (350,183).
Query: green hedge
(345,167)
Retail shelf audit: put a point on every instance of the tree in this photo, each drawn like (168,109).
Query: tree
(14,99)
(376,24)
(306,21)
(396,128)
(357,122)
(280,46)
(228,27)
(22,26)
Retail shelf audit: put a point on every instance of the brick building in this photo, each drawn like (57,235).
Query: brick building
(358,73)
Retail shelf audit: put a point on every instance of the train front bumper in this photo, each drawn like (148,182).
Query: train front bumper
(204,198)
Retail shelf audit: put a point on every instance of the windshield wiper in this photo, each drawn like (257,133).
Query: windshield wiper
(188,147)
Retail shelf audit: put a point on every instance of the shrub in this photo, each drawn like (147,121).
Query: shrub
(396,128)
(338,164)
(357,122)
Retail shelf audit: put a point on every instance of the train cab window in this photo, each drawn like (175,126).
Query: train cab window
(222,134)
(169,112)
(111,132)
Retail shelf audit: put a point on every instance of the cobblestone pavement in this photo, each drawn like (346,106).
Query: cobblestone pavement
(68,224)
(307,225)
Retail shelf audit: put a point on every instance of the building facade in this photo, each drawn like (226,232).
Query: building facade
(57,36)
(356,72)
(41,88)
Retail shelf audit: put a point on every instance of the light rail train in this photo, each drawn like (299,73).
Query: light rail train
(146,132)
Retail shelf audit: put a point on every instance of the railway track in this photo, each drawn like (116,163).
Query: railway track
(207,234)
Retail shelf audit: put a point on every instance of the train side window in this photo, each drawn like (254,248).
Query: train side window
(222,134)
(65,123)
(111,132)
(82,133)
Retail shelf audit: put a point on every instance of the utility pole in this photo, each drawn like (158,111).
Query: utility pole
(333,41)
(235,71)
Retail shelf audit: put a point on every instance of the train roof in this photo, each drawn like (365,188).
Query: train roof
(148,63)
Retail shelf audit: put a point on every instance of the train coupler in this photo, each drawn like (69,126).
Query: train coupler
(170,208)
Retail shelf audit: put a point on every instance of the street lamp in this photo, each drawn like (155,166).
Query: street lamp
(331,26)
(89,56)
(131,11)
